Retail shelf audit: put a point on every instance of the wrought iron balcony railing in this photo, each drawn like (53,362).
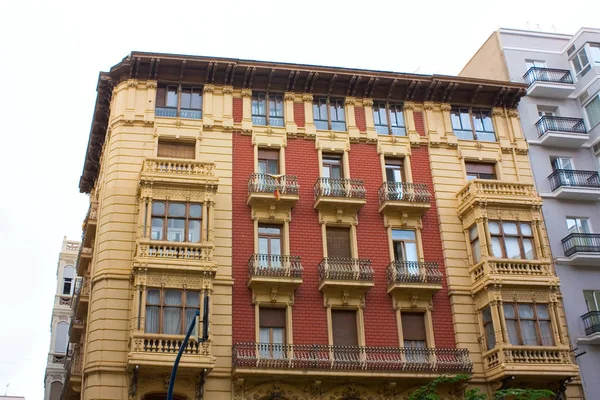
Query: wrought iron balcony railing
(581,243)
(560,124)
(574,178)
(345,269)
(272,265)
(324,357)
(591,322)
(339,187)
(413,272)
(265,183)
(550,75)
(404,191)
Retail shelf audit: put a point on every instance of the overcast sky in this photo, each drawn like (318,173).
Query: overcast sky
(50,56)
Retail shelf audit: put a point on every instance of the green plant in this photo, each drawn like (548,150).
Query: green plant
(523,394)
(428,392)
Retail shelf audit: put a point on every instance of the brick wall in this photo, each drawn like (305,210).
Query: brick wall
(299,114)
(237,110)
(359,115)
(419,123)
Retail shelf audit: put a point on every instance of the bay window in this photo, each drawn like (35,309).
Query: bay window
(170,311)
(475,247)
(512,239)
(528,324)
(176,221)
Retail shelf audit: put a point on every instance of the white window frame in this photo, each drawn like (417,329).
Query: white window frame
(587,103)
(583,70)
(589,225)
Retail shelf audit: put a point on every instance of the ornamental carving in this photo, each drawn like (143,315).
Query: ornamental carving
(428,105)
(368,102)
(289,96)
(307,97)
(445,107)
(275,389)
(350,390)
(350,101)
(513,113)
(209,88)
(497,112)
(227,89)
(199,281)
(409,105)
(246,92)
(151,84)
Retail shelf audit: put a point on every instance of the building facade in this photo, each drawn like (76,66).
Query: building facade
(61,320)
(560,117)
(345,224)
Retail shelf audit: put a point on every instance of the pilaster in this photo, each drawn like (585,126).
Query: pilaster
(208,119)
(227,107)
(351,118)
(288,115)
(309,125)
(247,110)
(370,122)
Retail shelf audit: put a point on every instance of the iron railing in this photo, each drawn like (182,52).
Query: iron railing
(345,269)
(560,124)
(325,357)
(591,322)
(413,272)
(339,187)
(275,266)
(404,191)
(581,242)
(574,178)
(265,183)
(551,75)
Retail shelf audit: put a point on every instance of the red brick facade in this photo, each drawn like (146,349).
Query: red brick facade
(238,110)
(359,115)
(299,114)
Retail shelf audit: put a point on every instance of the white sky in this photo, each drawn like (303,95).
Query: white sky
(50,56)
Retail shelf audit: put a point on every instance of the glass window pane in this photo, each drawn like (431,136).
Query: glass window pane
(172,320)
(403,235)
(592,109)
(171,97)
(525,310)
(152,316)
(490,337)
(494,227)
(513,335)
(512,247)
(546,331)
(275,247)
(176,210)
(153,296)
(195,210)
(464,119)
(510,228)
(583,225)
(455,117)
(263,246)
(476,251)
(270,230)
(496,247)
(526,230)
(487,314)
(158,208)
(487,121)
(528,248)
(157,229)
(197,100)
(194,231)
(175,230)
(577,65)
(528,333)
(542,311)
(478,122)
(192,299)
(473,232)
(186,98)
(411,251)
(509,311)
(172,297)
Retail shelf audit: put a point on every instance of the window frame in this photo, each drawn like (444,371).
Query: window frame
(179,89)
(272,351)
(536,319)
(577,222)
(595,295)
(480,175)
(403,245)
(327,101)
(161,305)
(490,337)
(519,237)
(583,68)
(269,237)
(475,133)
(267,102)
(596,100)
(165,219)
(327,160)
(387,106)
(472,241)
(260,158)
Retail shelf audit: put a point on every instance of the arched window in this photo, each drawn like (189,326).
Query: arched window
(68,274)
(55,390)
(60,337)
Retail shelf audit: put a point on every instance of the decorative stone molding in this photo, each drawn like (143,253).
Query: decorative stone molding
(446,107)
(497,112)
(227,89)
(428,105)
(409,105)
(209,88)
(289,96)
(246,92)
(307,97)
(513,113)
(151,84)
(350,101)
(368,102)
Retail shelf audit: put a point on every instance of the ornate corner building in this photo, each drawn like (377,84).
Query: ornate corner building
(359,233)
(66,288)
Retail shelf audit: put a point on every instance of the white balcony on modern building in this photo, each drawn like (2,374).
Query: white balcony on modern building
(549,82)
(561,132)
(570,184)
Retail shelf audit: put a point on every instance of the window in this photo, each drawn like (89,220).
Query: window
(413,330)
(68,275)
(511,239)
(595,53)
(535,63)
(55,390)
(544,111)
(488,328)
(480,171)
(528,324)
(329,114)
(472,124)
(60,337)
(338,243)
(272,332)
(405,246)
(394,171)
(578,225)
(344,327)
(592,299)
(332,166)
(185,103)
(269,243)
(581,64)
(176,149)
(261,102)
(561,163)
(389,119)
(268,161)
(176,222)
(475,247)
(170,311)
(592,109)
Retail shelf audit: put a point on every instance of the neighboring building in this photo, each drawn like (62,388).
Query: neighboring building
(561,120)
(61,319)
(12,398)
(344,223)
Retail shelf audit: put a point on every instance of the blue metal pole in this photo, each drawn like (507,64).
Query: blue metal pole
(183,346)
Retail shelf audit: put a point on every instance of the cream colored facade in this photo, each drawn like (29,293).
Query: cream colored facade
(120,262)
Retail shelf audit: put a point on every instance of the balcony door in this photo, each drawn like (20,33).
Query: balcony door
(565,176)
(269,246)
(272,332)
(415,336)
(405,251)
(268,168)
(394,176)
(344,328)
(338,243)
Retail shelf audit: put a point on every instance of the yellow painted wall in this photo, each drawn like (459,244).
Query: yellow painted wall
(488,62)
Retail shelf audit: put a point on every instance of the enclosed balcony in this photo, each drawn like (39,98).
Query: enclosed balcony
(591,323)
(348,273)
(159,351)
(582,248)
(273,189)
(573,184)
(415,276)
(549,82)
(561,131)
(496,193)
(270,270)
(339,193)
(355,361)
(404,197)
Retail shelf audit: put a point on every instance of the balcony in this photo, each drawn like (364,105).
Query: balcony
(171,112)
(582,249)
(273,189)
(345,273)
(496,193)
(591,323)
(510,272)
(76,328)
(159,352)
(561,132)
(527,361)
(404,197)
(269,270)
(84,259)
(89,225)
(81,298)
(549,82)
(338,193)
(74,368)
(355,361)
(415,276)
(570,184)
(178,171)
(179,255)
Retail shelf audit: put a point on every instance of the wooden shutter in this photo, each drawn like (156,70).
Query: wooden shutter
(272,317)
(480,168)
(161,95)
(176,149)
(413,326)
(338,243)
(264,154)
(343,325)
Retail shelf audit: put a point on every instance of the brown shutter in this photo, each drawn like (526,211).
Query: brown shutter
(393,161)
(480,168)
(264,154)
(338,243)
(343,325)
(161,94)
(272,317)
(173,149)
(413,326)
